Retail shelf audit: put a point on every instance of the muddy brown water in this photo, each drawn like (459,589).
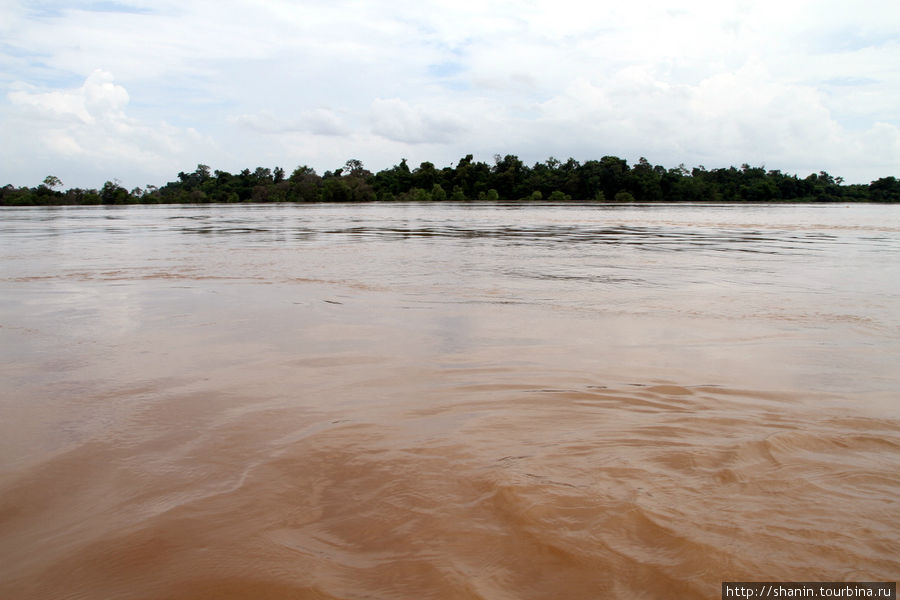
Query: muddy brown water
(447,401)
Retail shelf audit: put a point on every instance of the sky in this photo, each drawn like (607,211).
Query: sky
(138,90)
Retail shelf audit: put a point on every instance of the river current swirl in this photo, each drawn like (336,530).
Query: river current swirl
(485,401)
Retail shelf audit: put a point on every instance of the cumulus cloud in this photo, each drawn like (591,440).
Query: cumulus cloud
(319,121)
(399,121)
(87,128)
(98,99)
(716,83)
(742,115)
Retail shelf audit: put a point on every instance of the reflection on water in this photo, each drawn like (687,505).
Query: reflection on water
(446,401)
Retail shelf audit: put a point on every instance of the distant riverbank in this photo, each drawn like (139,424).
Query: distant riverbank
(609,179)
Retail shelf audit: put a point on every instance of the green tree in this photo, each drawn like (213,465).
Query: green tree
(113,193)
(301,172)
(397,180)
(886,189)
(612,173)
(262,176)
(304,185)
(509,176)
(52,181)
(355,168)
(644,181)
(457,195)
(335,189)
(425,176)
(437,193)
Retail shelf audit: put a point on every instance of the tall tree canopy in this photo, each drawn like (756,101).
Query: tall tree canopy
(608,179)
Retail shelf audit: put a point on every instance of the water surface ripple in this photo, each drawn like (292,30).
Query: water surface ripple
(482,401)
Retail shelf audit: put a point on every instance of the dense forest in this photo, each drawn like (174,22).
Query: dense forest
(609,179)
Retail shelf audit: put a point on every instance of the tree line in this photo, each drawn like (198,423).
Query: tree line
(609,179)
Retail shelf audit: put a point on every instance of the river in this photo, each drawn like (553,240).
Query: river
(460,401)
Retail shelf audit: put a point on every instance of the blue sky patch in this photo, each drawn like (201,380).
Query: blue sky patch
(446,69)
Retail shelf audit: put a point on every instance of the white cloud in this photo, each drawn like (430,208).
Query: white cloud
(397,120)
(88,128)
(319,121)
(800,85)
(732,117)
(97,99)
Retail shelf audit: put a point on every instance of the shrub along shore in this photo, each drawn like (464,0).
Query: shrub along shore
(609,179)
